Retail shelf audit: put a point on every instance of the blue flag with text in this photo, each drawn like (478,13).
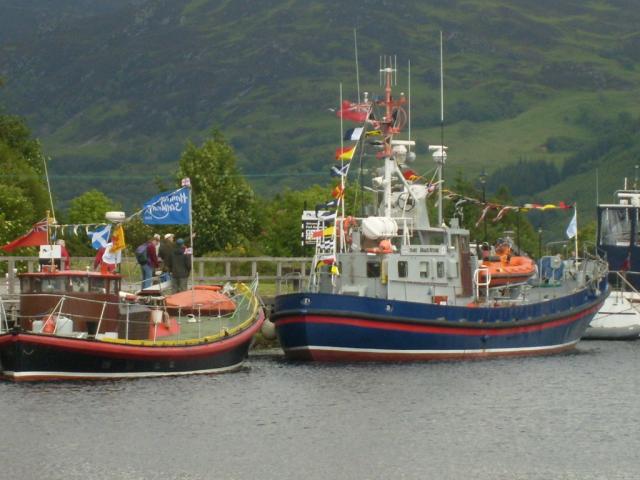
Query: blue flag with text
(167,208)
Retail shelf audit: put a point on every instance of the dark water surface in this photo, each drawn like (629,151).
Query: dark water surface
(573,416)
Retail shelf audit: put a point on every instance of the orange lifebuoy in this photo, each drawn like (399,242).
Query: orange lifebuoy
(49,324)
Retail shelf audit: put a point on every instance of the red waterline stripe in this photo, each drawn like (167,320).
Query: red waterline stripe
(94,347)
(383,325)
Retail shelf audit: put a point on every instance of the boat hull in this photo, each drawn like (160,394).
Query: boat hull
(327,327)
(26,356)
(618,319)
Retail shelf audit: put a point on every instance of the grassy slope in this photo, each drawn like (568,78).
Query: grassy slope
(125,89)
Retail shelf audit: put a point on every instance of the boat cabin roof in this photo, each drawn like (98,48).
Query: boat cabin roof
(71,273)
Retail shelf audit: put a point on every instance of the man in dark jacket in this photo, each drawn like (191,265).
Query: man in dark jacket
(164,252)
(179,265)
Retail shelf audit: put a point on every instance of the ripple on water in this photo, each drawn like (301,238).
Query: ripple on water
(572,416)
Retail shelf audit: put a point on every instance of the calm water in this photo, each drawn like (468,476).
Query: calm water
(575,416)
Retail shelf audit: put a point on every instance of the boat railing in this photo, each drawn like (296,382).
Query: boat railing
(479,283)
(142,320)
(625,285)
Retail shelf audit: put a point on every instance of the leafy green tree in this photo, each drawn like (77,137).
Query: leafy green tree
(224,206)
(89,207)
(280,233)
(23,194)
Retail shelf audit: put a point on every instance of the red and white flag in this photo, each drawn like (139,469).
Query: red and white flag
(33,238)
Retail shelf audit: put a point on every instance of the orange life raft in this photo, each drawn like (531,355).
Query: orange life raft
(206,301)
(508,270)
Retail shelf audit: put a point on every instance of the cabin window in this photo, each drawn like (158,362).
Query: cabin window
(98,285)
(402,269)
(424,269)
(80,284)
(440,269)
(51,285)
(25,285)
(615,227)
(373,269)
(437,238)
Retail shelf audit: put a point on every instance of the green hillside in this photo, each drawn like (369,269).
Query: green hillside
(114,92)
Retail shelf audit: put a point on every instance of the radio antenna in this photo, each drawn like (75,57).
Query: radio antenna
(409,99)
(355,42)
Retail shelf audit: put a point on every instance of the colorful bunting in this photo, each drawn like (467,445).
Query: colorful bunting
(100,237)
(338,192)
(340,171)
(327,232)
(353,134)
(353,112)
(118,239)
(345,153)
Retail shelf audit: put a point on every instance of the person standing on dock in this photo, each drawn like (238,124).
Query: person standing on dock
(164,252)
(180,267)
(65,263)
(150,263)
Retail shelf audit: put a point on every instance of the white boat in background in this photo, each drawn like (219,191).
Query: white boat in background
(618,241)
(618,319)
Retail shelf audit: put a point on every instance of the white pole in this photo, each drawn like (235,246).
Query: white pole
(441,166)
(355,41)
(46,173)
(409,106)
(576,212)
(340,199)
(186,182)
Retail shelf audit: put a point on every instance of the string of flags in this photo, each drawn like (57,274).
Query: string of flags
(502,209)
(166,208)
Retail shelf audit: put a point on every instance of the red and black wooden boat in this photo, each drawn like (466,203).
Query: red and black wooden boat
(78,325)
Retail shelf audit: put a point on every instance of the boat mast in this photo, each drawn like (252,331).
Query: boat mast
(388,135)
(442,157)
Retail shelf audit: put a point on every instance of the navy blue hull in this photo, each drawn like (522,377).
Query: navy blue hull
(340,327)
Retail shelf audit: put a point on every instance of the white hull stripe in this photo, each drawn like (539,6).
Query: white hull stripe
(97,375)
(430,352)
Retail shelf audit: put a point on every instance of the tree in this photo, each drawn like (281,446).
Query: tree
(23,194)
(224,207)
(90,207)
(281,234)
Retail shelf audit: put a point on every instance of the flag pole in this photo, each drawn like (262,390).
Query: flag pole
(575,206)
(187,183)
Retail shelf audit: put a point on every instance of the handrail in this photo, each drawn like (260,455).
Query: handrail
(478,283)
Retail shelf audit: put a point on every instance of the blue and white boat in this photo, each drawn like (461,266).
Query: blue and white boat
(393,286)
(618,240)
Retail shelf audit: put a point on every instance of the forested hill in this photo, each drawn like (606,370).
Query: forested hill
(114,89)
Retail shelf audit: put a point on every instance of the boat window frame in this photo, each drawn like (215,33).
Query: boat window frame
(424,269)
(605,235)
(403,269)
(440,269)
(25,285)
(374,269)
